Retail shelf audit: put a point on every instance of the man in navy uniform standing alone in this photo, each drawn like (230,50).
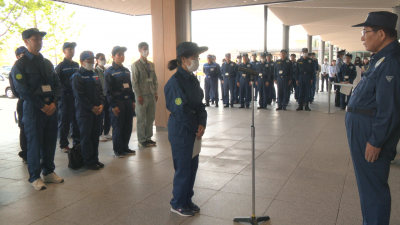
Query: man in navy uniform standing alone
(373,117)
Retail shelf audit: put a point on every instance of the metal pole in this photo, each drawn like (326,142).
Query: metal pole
(253,132)
(329,96)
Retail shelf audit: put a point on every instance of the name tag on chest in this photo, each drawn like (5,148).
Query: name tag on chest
(46,88)
(212,69)
(126,85)
(280,71)
(226,74)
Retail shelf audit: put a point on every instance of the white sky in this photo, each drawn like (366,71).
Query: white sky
(222,30)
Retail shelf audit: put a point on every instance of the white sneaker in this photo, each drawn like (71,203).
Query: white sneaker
(38,185)
(53,178)
(108,136)
(102,138)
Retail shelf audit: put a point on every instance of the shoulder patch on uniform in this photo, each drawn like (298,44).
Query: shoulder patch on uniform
(266,65)
(379,62)
(309,61)
(178,101)
(278,62)
(389,78)
(287,60)
(18,76)
(351,67)
(300,62)
(248,65)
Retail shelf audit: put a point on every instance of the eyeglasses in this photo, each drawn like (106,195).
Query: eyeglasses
(363,32)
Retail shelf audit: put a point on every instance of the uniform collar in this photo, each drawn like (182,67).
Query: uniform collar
(185,73)
(116,66)
(67,61)
(31,56)
(82,70)
(386,49)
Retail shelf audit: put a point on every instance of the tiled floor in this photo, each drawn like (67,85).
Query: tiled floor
(303,169)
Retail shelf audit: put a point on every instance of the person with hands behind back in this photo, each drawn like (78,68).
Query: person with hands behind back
(40,88)
(89,103)
(122,102)
(187,122)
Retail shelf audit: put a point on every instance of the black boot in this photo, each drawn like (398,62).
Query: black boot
(300,107)
(207,103)
(307,108)
(216,104)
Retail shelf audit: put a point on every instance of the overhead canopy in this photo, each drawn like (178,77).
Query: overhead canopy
(330,19)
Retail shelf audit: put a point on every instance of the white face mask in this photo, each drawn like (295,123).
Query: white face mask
(145,53)
(263,60)
(239,61)
(305,55)
(89,66)
(194,65)
(102,62)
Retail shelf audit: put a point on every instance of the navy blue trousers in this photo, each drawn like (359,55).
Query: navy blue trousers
(237,93)
(122,125)
(283,91)
(89,126)
(343,100)
(41,134)
(229,88)
(67,120)
(372,178)
(214,83)
(106,120)
(182,142)
(272,93)
(313,88)
(207,88)
(304,89)
(245,91)
(263,90)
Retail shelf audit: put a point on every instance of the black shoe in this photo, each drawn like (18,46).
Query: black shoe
(231,106)
(119,155)
(247,106)
(212,103)
(279,108)
(260,107)
(284,108)
(307,108)
(128,151)
(194,207)
(300,107)
(151,142)
(216,104)
(143,144)
(92,167)
(226,106)
(241,107)
(322,91)
(101,165)
(183,211)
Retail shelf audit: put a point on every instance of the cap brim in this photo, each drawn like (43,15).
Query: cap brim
(71,45)
(202,49)
(363,25)
(42,33)
(123,49)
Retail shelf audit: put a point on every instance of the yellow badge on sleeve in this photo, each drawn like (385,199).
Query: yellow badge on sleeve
(178,101)
(18,76)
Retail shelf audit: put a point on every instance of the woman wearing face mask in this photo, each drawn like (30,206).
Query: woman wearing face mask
(184,99)
(89,102)
(358,62)
(106,123)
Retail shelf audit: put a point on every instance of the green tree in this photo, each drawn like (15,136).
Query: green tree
(50,16)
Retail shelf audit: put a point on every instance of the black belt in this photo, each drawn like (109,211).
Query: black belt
(124,97)
(192,111)
(365,112)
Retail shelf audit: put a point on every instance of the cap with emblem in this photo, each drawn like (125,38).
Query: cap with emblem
(117,49)
(69,45)
(245,54)
(29,32)
(86,55)
(382,19)
(349,55)
(304,50)
(20,50)
(228,55)
(189,46)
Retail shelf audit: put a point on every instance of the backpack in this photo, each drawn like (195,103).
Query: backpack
(75,160)
(14,91)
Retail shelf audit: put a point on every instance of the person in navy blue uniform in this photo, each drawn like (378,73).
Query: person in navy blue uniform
(89,103)
(339,63)
(244,82)
(272,91)
(229,74)
(263,81)
(346,75)
(187,122)
(373,117)
(19,52)
(237,92)
(254,62)
(122,102)
(293,86)
(304,77)
(283,78)
(314,78)
(66,106)
(221,79)
(212,72)
(40,88)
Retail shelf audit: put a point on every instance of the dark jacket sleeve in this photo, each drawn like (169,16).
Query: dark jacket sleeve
(109,89)
(177,103)
(290,70)
(340,74)
(201,112)
(22,86)
(78,87)
(275,70)
(387,120)
(57,88)
(353,75)
(219,74)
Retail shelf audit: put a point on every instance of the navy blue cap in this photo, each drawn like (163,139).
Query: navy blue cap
(117,49)
(209,56)
(293,55)
(239,56)
(20,50)
(228,55)
(284,50)
(214,57)
(304,50)
(268,53)
(87,55)
(69,45)
(349,55)
(263,54)
(341,52)
(189,46)
(309,54)
(312,53)
(254,54)
(29,32)
(245,54)
(382,19)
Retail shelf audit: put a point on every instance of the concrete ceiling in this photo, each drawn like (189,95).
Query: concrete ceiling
(330,19)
